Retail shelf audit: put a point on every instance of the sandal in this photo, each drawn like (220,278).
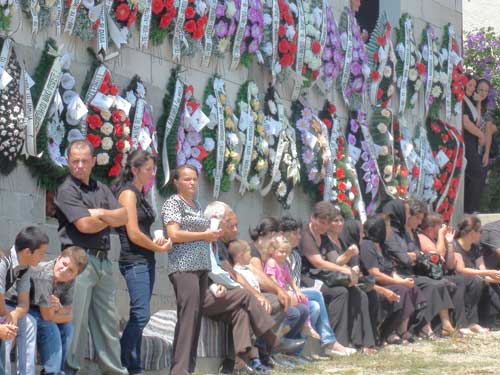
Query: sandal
(394,339)
(446,332)
(408,338)
(431,336)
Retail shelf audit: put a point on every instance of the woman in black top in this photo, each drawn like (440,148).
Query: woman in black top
(137,256)
(470,262)
(473,138)
(406,298)
(402,247)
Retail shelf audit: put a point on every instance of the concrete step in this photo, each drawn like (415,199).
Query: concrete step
(488,218)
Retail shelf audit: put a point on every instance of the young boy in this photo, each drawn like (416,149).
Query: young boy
(240,253)
(51,299)
(28,250)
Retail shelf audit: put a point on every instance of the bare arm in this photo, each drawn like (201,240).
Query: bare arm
(177,235)
(318,262)
(61,315)
(267,284)
(90,224)
(384,279)
(472,271)
(471,127)
(113,218)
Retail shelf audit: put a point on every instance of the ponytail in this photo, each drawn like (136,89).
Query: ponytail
(136,159)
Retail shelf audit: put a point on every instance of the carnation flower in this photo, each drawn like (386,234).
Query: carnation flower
(382,128)
(106,143)
(281,189)
(107,128)
(102,158)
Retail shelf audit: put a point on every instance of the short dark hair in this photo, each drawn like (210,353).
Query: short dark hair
(80,143)
(32,238)
(289,224)
(418,207)
(430,220)
(468,224)
(265,226)
(325,210)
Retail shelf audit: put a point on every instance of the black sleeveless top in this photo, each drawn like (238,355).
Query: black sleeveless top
(132,253)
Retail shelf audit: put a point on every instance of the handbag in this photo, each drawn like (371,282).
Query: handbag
(430,265)
(330,278)
(366,283)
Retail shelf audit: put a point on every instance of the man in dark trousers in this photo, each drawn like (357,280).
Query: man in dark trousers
(86,210)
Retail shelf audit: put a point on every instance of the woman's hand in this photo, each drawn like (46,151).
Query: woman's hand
(212,235)
(301,297)
(163,244)
(352,251)
(450,235)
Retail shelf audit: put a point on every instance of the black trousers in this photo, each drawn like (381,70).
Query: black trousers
(190,289)
(466,298)
(489,305)
(474,179)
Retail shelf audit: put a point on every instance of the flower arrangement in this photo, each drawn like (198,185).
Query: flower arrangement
(313,52)
(382,61)
(40,13)
(287,40)
(80,26)
(283,156)
(363,157)
(355,74)
(143,130)
(333,57)
(6,13)
(124,13)
(226,22)
(345,191)
(163,13)
(255,162)
(193,29)
(435,77)
(220,137)
(108,130)
(60,127)
(448,150)
(452,62)
(12,131)
(410,69)
(254,33)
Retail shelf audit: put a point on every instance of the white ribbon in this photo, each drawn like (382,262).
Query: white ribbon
(145,25)
(179,30)
(94,86)
(249,145)
(137,124)
(328,163)
(430,68)
(30,131)
(348,58)
(406,67)
(449,72)
(275,27)
(240,31)
(102,30)
(4,59)
(34,15)
(176,103)
(209,32)
(118,35)
(322,37)
(70,21)
(448,183)
(59,11)
(221,139)
(49,89)
(301,47)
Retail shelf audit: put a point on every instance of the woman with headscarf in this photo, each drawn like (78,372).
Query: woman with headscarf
(395,313)
(402,248)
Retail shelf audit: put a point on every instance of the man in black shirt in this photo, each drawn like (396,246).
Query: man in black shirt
(490,244)
(86,210)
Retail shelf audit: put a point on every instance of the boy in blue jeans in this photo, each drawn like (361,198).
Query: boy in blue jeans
(50,304)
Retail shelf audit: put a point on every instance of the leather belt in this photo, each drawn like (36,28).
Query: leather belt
(99,254)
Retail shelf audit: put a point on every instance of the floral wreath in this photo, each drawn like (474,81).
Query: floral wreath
(314,49)
(362,155)
(382,61)
(287,40)
(6,14)
(353,82)
(284,165)
(220,136)
(448,150)
(393,172)
(60,127)
(39,13)
(255,161)
(254,33)
(410,70)
(226,22)
(108,130)
(78,22)
(12,131)
(187,37)
(124,13)
(435,78)
(333,56)
(163,12)
(452,62)
(345,191)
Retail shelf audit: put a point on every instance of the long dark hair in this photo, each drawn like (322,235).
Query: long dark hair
(484,103)
(136,159)
(468,224)
(265,226)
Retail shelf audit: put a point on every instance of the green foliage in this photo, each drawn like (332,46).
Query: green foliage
(5,19)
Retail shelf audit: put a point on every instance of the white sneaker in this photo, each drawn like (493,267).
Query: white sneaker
(341,353)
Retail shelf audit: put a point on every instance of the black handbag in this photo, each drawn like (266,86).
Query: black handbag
(330,278)
(430,265)
(366,283)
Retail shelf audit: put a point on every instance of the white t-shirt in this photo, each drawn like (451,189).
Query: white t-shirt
(248,275)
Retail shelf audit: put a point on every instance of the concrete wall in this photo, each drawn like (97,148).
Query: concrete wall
(22,203)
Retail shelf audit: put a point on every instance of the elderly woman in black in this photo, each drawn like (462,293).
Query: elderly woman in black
(348,307)
(470,262)
(401,297)
(188,264)
(402,246)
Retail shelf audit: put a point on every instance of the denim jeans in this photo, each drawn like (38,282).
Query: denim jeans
(140,280)
(319,316)
(25,345)
(53,341)
(296,317)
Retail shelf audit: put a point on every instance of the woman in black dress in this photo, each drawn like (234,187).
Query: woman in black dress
(402,247)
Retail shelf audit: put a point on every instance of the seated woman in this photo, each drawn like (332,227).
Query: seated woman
(435,237)
(402,247)
(486,123)
(470,262)
(401,297)
(291,230)
(348,307)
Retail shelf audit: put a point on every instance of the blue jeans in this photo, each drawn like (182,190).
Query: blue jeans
(53,342)
(296,316)
(140,280)
(319,316)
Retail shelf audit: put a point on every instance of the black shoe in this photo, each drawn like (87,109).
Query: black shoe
(227,366)
(245,370)
(258,367)
(290,346)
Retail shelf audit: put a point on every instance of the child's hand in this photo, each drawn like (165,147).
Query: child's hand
(302,298)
